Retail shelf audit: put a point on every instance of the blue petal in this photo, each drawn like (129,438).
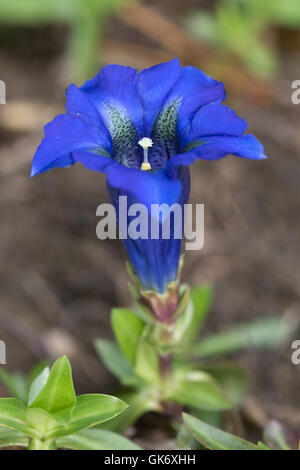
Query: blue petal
(93,161)
(171,95)
(63,136)
(116,86)
(194,89)
(146,186)
(213,148)
(154,86)
(214,119)
(79,105)
(155,261)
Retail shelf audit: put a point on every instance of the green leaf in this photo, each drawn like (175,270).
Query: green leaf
(96,439)
(90,410)
(35,371)
(113,359)
(214,418)
(15,384)
(213,438)
(202,297)
(42,421)
(128,328)
(198,390)
(232,380)
(182,328)
(147,363)
(58,393)
(140,402)
(35,11)
(9,438)
(267,332)
(189,324)
(286,13)
(185,441)
(13,416)
(202,25)
(261,60)
(38,384)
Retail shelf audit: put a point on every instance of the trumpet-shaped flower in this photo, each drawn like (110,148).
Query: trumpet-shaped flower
(143,130)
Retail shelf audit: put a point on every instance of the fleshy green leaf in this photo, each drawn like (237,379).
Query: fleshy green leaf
(113,359)
(198,390)
(96,439)
(37,385)
(214,418)
(203,25)
(140,402)
(9,438)
(214,438)
(90,410)
(202,299)
(128,328)
(15,384)
(232,380)
(42,421)
(185,441)
(286,13)
(35,11)
(147,363)
(35,371)
(190,322)
(267,332)
(13,416)
(58,393)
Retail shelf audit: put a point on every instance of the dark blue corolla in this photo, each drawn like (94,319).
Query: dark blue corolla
(143,130)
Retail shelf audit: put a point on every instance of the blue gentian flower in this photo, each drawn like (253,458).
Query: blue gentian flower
(143,130)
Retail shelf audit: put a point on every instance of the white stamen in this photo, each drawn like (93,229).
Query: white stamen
(145,142)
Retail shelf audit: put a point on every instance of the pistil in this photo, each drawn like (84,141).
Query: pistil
(146,142)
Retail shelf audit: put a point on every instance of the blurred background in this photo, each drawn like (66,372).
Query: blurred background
(58,282)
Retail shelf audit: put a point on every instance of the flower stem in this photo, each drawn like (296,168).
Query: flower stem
(37,444)
(165,363)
